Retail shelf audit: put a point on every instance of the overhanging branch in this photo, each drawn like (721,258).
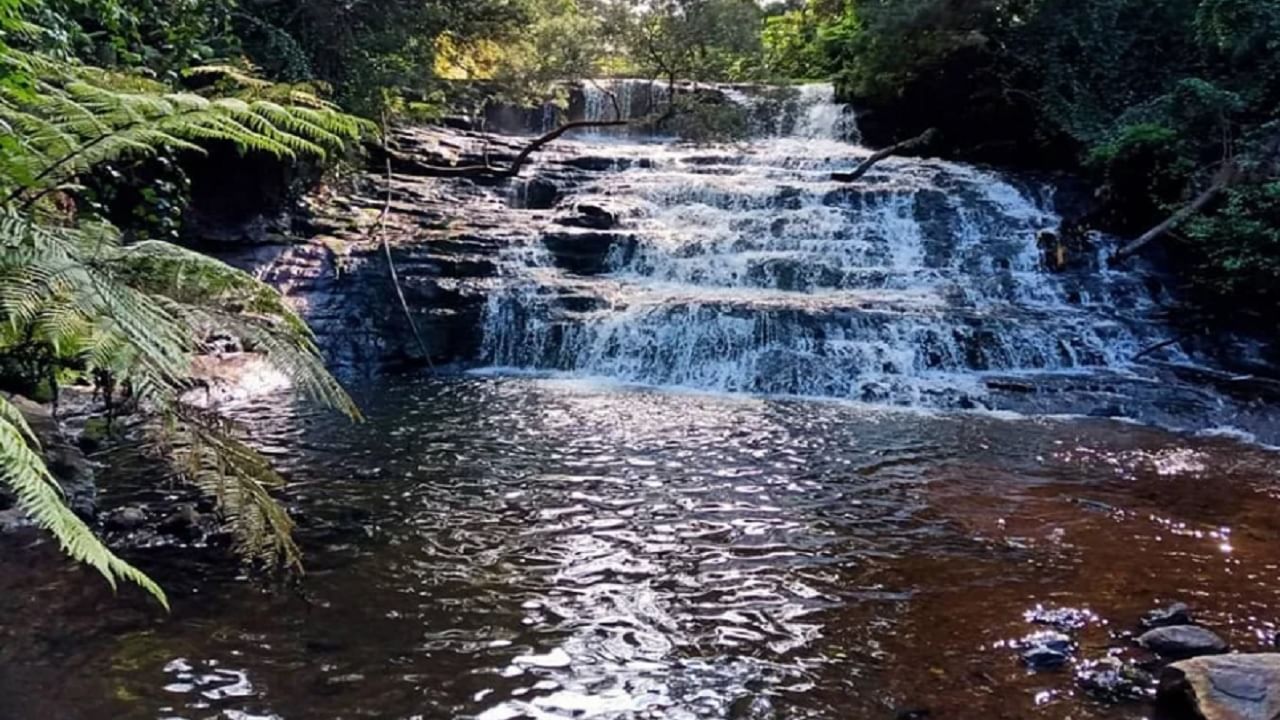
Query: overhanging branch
(865,166)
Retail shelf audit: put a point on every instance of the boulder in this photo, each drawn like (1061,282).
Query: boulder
(1046,650)
(1175,614)
(592,216)
(540,194)
(1224,687)
(1044,658)
(126,518)
(1183,641)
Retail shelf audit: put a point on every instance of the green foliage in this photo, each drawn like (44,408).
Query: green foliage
(76,295)
(160,37)
(1152,97)
(1237,251)
(699,40)
(377,54)
(700,119)
(791,44)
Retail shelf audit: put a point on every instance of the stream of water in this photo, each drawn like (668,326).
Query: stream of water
(767,465)
(746,268)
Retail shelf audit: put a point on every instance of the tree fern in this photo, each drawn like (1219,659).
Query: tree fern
(141,312)
(24,471)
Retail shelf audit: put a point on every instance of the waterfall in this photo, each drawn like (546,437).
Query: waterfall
(804,111)
(747,269)
(822,117)
(634,99)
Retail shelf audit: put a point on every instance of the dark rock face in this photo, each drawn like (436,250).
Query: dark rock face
(1182,641)
(441,235)
(540,194)
(593,216)
(241,198)
(1226,687)
(585,252)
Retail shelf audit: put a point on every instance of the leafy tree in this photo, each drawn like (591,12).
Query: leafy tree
(1154,99)
(699,40)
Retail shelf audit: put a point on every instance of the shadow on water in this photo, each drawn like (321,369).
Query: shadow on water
(508,548)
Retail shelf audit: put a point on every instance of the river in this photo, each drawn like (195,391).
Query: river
(799,450)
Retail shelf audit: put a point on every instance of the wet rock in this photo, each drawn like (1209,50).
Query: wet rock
(592,216)
(585,253)
(1046,650)
(95,434)
(541,194)
(1182,641)
(1226,687)
(1044,658)
(185,522)
(1113,680)
(913,714)
(1175,614)
(596,163)
(126,518)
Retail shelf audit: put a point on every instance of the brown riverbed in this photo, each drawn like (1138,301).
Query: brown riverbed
(538,548)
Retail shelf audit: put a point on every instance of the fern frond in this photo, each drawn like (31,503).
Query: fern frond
(24,472)
(202,447)
(141,313)
(235,74)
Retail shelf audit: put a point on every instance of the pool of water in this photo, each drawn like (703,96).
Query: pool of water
(537,548)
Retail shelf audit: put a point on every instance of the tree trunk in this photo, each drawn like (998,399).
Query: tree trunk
(1221,181)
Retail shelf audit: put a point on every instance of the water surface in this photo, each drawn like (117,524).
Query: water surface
(523,547)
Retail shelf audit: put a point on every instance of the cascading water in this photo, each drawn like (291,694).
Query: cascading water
(747,269)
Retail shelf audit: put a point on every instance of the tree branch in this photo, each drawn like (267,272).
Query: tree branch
(380,227)
(492,171)
(866,165)
(1226,175)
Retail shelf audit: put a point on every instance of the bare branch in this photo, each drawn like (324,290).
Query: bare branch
(866,165)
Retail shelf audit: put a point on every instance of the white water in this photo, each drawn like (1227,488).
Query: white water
(745,268)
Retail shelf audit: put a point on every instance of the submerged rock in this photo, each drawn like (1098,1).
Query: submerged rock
(126,518)
(1227,687)
(1175,614)
(1183,641)
(1113,680)
(1044,658)
(1046,650)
